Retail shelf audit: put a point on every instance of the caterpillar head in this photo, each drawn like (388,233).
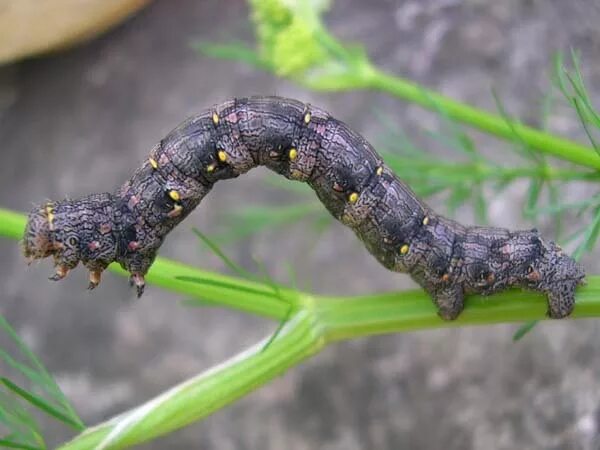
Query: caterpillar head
(556,274)
(69,232)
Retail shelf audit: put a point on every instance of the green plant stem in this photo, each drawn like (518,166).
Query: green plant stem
(248,296)
(483,120)
(200,396)
(349,318)
(12,224)
(368,77)
(319,321)
(483,171)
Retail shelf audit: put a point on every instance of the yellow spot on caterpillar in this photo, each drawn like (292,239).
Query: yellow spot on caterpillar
(215,118)
(404,249)
(307,117)
(445,277)
(153,163)
(425,220)
(211,167)
(174,195)
(50,216)
(293,154)
(353,198)
(379,170)
(222,155)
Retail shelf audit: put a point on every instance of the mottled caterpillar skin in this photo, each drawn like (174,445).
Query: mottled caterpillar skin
(304,143)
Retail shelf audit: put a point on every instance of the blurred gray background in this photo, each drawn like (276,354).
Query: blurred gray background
(80,121)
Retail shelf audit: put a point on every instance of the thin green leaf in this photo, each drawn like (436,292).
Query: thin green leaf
(584,124)
(593,236)
(266,278)
(25,370)
(460,143)
(5,443)
(459,140)
(524,329)
(554,197)
(573,89)
(293,281)
(277,291)
(228,262)
(38,380)
(395,139)
(20,422)
(427,191)
(206,282)
(533,196)
(557,208)
(335,48)
(590,236)
(546,109)
(480,204)
(322,224)
(278,329)
(501,184)
(582,92)
(43,379)
(41,404)
(559,75)
(458,197)
(523,148)
(258,218)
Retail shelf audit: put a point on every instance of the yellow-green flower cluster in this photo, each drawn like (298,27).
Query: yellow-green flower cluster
(286,32)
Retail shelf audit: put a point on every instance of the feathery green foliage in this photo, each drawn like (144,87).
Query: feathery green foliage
(35,390)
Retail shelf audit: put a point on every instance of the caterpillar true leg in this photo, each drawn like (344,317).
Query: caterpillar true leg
(303,143)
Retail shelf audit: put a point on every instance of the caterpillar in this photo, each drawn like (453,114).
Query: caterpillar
(303,143)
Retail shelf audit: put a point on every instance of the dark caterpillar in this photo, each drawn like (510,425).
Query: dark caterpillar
(302,143)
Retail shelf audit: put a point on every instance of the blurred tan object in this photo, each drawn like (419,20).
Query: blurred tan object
(30,27)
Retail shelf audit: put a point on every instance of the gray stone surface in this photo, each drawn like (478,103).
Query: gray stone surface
(80,121)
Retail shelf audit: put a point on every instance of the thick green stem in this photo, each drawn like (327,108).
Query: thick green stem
(350,318)
(208,392)
(368,77)
(319,322)
(483,120)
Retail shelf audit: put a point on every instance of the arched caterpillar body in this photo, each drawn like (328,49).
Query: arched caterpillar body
(304,143)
